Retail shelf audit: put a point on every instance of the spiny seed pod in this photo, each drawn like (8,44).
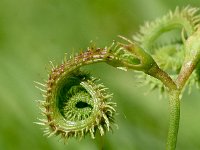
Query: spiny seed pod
(75,105)
(186,18)
(169,50)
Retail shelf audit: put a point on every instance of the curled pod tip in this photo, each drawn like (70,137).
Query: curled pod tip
(75,104)
(169,52)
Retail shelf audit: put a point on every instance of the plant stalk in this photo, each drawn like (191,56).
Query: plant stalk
(161,75)
(174,105)
(174,117)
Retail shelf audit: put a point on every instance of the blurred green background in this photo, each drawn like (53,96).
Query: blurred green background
(33,32)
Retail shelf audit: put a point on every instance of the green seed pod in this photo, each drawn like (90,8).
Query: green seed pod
(75,104)
(169,49)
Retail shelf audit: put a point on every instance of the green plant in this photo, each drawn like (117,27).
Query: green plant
(167,51)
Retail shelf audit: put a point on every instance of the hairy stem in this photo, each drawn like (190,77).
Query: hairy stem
(174,105)
(174,117)
(192,58)
(184,74)
(161,75)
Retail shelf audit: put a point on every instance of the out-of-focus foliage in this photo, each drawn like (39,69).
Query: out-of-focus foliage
(33,32)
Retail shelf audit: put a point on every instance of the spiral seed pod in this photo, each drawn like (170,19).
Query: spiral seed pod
(169,52)
(186,18)
(75,105)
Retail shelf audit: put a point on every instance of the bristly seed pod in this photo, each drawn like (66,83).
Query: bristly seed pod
(169,52)
(75,105)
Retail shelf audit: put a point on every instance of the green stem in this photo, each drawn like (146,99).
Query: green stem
(174,105)
(161,75)
(174,117)
(185,73)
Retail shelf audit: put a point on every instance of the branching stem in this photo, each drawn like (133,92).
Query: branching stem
(174,105)
(174,91)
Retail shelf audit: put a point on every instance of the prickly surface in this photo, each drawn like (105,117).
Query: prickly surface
(186,18)
(170,52)
(75,104)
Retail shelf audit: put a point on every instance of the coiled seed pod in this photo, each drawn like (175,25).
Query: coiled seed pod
(75,104)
